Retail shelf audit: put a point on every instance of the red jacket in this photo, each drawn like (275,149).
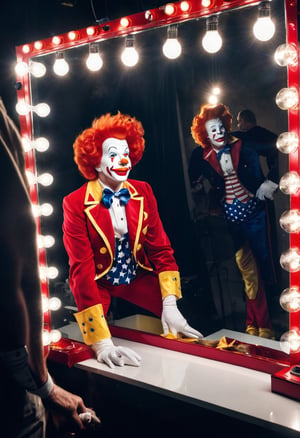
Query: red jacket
(90,243)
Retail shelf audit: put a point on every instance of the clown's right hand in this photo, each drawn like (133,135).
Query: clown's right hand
(111,355)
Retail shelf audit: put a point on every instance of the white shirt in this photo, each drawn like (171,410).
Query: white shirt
(118,215)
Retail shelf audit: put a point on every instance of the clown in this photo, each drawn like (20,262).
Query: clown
(235,174)
(115,240)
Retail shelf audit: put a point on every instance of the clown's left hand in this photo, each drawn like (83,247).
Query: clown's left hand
(266,190)
(173,321)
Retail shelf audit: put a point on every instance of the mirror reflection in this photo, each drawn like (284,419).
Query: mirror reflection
(165,95)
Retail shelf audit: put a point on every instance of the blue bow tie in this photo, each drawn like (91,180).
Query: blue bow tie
(225,150)
(107,196)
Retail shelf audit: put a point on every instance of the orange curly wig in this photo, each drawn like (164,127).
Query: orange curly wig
(208,112)
(88,145)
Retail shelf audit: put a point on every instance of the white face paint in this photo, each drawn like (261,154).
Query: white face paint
(115,163)
(216,133)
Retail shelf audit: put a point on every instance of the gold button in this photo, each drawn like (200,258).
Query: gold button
(139,247)
(103,250)
(99,266)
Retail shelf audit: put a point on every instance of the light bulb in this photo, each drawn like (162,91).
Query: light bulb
(45,241)
(290,221)
(289,183)
(60,66)
(45,209)
(287,98)
(42,109)
(290,342)
(212,41)
(172,47)
(41,144)
(37,69)
(23,108)
(287,142)
(45,179)
(290,299)
(129,55)
(264,27)
(54,304)
(290,260)
(52,272)
(46,338)
(286,54)
(55,335)
(94,61)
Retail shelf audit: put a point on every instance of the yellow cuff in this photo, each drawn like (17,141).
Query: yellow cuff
(169,282)
(92,324)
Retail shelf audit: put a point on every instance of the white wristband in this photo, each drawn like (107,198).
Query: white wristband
(45,390)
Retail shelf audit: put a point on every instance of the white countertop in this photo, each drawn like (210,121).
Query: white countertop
(236,391)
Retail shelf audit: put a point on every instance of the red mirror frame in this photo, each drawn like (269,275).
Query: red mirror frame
(137,23)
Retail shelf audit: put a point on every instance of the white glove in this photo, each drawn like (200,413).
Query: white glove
(111,355)
(173,321)
(266,190)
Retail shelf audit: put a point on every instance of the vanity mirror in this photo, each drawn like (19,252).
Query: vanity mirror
(165,94)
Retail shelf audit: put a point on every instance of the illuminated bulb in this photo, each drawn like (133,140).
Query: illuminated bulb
(213,99)
(94,61)
(31,178)
(90,31)
(48,272)
(287,98)
(129,56)
(60,66)
(21,68)
(26,49)
(46,338)
(54,304)
(185,6)
(290,342)
(38,45)
(42,109)
(23,108)
(45,241)
(124,22)
(169,9)
(52,272)
(206,3)
(286,54)
(45,303)
(287,142)
(26,144)
(42,210)
(55,336)
(45,179)
(290,260)
(212,41)
(290,221)
(289,183)
(37,69)
(216,91)
(172,47)
(72,35)
(41,144)
(56,40)
(290,299)
(264,27)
